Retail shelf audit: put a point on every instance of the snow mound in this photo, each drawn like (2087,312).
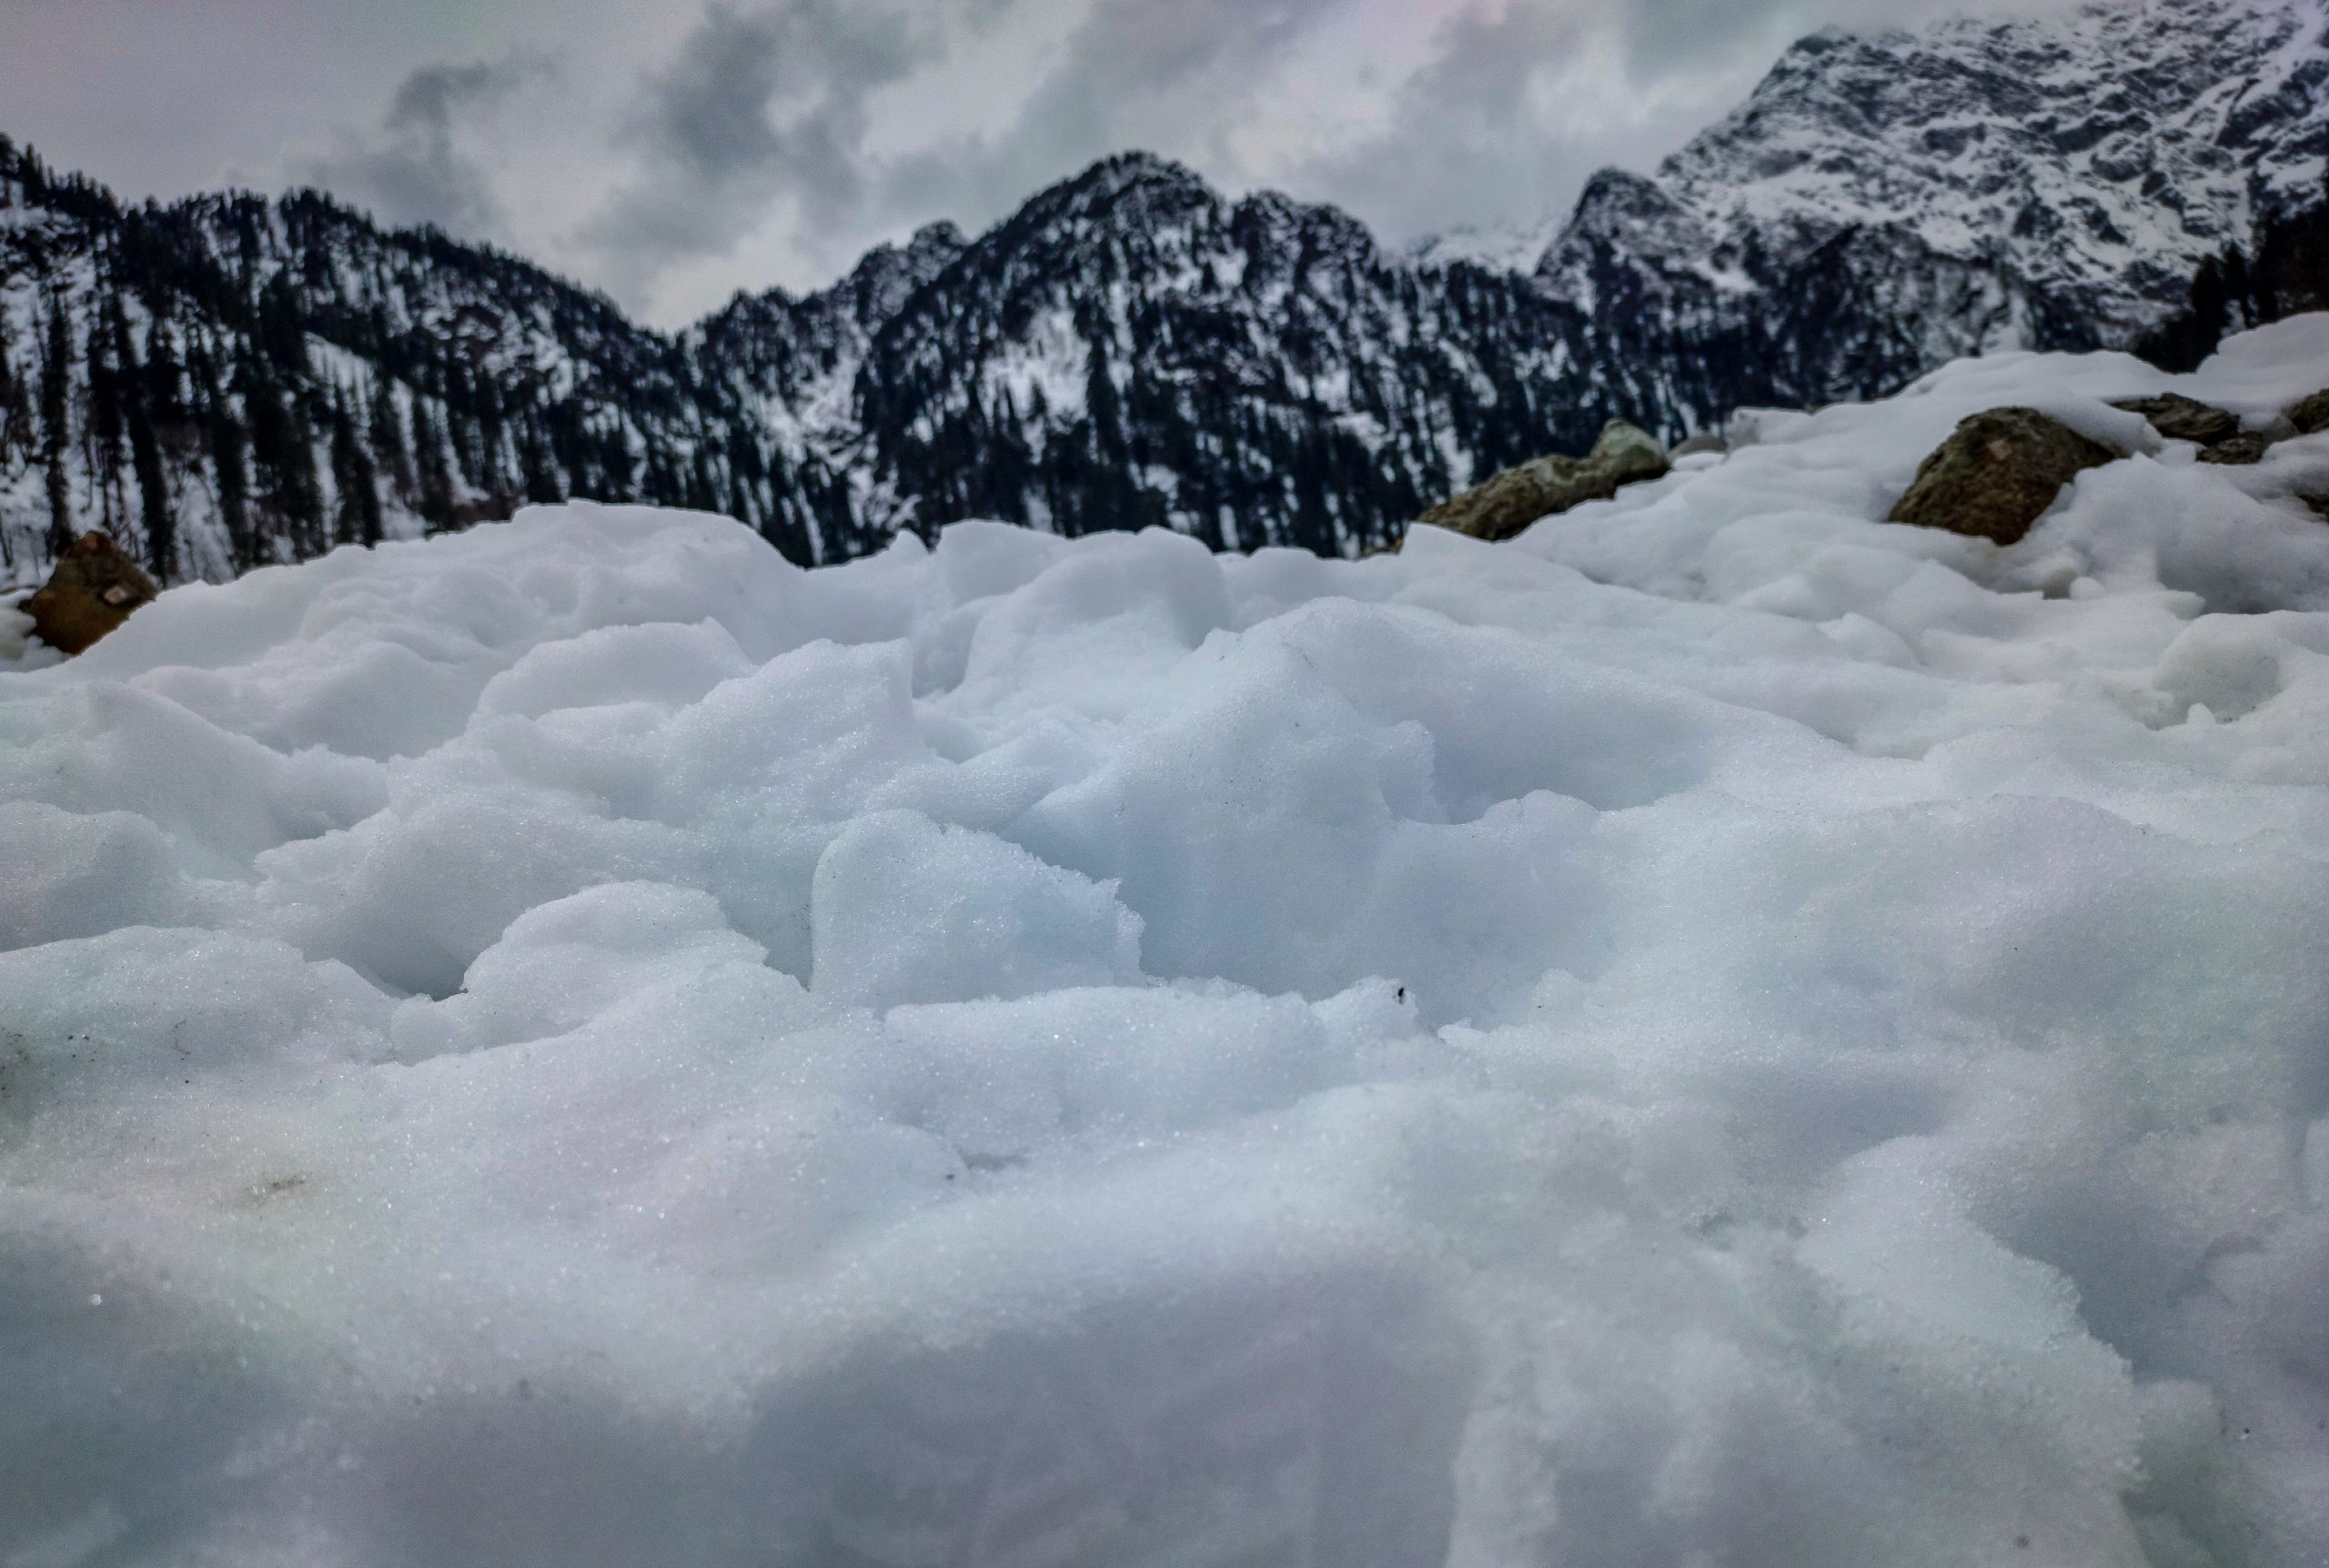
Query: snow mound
(1722,1031)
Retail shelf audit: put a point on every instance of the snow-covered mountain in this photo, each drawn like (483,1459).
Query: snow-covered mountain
(1133,346)
(229,380)
(1884,203)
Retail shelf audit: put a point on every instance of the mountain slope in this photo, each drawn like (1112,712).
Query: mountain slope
(1133,345)
(1884,203)
(230,381)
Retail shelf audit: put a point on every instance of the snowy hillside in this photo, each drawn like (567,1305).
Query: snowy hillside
(1886,201)
(230,381)
(1722,1031)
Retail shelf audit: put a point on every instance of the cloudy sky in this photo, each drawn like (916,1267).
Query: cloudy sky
(674,151)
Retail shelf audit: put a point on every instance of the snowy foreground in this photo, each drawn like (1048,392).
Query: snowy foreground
(1721,1032)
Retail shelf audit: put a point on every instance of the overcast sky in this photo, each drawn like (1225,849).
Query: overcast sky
(674,151)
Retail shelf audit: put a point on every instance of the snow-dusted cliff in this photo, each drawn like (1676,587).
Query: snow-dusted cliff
(1884,202)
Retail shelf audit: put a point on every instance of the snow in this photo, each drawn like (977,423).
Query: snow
(1497,247)
(1722,1031)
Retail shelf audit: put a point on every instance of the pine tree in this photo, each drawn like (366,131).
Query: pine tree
(106,427)
(436,477)
(57,438)
(227,459)
(283,452)
(368,525)
(15,411)
(346,523)
(540,470)
(385,436)
(165,377)
(160,523)
(358,479)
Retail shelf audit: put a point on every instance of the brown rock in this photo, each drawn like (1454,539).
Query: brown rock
(2182,419)
(2311,416)
(2248,447)
(92,591)
(1998,474)
(1505,505)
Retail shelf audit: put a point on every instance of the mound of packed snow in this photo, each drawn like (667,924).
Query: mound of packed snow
(1722,1031)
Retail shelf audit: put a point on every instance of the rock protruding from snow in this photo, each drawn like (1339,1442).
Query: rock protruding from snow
(1998,474)
(92,589)
(2310,416)
(2239,451)
(1508,503)
(2182,419)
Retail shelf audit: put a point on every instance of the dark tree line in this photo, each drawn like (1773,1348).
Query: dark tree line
(2284,274)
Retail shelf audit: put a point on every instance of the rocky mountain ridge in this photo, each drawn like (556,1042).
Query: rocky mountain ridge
(1884,203)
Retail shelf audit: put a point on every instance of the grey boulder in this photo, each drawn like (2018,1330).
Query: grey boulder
(1508,504)
(1998,474)
(2182,419)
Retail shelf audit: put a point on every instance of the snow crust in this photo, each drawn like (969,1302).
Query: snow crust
(1722,1031)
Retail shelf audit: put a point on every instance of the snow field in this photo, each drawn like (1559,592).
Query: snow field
(1721,1031)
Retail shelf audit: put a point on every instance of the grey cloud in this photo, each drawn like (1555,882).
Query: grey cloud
(1140,67)
(761,107)
(1462,144)
(1177,79)
(413,169)
(767,113)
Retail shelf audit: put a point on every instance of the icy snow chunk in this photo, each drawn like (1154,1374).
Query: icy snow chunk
(412,895)
(907,910)
(140,1005)
(1004,1080)
(63,875)
(674,665)
(2189,530)
(1096,625)
(222,799)
(562,964)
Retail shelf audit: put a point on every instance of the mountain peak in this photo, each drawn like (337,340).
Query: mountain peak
(1134,176)
(2078,168)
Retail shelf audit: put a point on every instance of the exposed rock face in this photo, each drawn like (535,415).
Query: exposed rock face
(2249,447)
(92,591)
(2311,416)
(1508,504)
(1998,474)
(2182,419)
